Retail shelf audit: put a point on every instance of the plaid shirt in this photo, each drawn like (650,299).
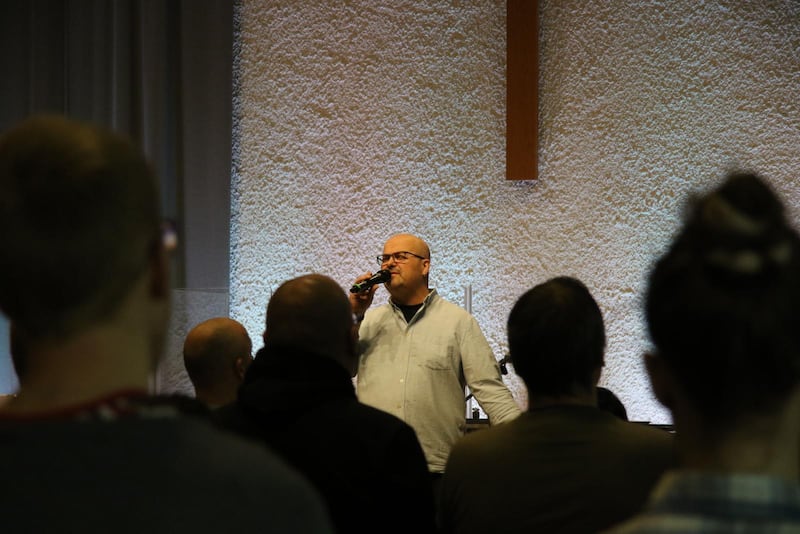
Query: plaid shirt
(690,502)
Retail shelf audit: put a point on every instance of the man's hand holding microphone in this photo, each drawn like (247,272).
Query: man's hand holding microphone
(363,291)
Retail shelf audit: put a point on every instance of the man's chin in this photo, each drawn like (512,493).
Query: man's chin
(392,285)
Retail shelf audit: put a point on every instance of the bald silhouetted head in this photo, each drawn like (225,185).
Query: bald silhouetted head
(313,313)
(216,354)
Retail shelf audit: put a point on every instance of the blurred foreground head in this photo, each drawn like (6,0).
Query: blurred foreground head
(79,227)
(723,303)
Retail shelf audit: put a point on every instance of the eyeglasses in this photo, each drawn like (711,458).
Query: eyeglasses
(399,257)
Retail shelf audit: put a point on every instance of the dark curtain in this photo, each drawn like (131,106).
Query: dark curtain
(159,71)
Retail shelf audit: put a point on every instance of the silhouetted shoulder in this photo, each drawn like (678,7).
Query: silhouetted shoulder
(194,470)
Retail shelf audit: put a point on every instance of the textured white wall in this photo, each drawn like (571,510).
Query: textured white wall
(358,119)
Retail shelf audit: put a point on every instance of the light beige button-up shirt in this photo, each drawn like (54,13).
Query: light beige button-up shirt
(417,371)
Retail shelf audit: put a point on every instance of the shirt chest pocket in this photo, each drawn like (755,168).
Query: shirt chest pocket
(434,356)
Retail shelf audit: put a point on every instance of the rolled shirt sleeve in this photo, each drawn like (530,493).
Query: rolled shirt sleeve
(482,374)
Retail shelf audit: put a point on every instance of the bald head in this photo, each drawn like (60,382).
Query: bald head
(216,353)
(408,284)
(312,313)
(409,242)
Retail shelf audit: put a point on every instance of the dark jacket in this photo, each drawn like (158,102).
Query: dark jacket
(138,464)
(367,464)
(555,469)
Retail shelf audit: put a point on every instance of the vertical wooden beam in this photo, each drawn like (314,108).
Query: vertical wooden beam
(522,89)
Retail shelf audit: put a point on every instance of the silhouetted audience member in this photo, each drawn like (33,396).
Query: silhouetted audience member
(216,354)
(722,308)
(564,465)
(298,397)
(84,282)
(609,402)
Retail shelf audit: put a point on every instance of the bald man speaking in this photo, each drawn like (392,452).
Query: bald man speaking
(419,351)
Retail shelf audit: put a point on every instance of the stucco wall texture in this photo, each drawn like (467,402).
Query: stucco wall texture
(358,119)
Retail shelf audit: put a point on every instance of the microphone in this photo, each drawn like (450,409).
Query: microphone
(378,278)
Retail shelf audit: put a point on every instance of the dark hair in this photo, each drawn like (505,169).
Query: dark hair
(556,337)
(79,218)
(723,304)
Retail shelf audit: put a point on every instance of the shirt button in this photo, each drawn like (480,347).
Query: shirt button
(402,380)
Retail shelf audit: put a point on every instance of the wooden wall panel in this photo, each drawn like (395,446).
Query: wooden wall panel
(522,81)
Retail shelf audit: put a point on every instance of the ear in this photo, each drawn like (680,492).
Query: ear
(240,366)
(661,379)
(426,267)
